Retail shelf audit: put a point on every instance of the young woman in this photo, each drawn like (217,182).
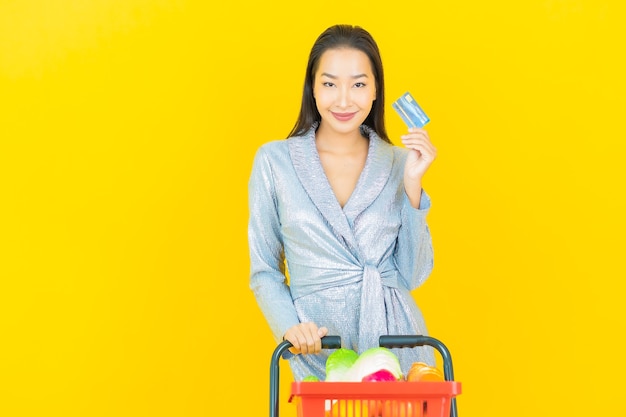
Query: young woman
(337,230)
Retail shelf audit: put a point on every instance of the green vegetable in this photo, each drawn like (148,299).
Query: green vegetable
(339,363)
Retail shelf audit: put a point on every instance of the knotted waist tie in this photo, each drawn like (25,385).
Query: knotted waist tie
(373,319)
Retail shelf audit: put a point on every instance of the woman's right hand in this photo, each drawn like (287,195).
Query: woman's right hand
(306,338)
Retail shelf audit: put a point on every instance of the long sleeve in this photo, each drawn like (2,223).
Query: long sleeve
(414,250)
(267,270)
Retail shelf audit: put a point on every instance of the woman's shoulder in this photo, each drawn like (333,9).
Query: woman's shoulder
(281,146)
(273,147)
(399,152)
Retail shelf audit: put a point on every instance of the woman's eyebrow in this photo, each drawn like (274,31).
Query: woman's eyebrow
(334,77)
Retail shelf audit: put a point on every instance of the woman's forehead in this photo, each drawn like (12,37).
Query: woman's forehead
(344,62)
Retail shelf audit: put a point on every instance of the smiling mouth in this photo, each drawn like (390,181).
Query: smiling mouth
(343,116)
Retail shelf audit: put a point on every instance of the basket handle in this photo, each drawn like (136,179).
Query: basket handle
(402,341)
(328,342)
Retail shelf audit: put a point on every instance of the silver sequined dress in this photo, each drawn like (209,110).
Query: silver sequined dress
(350,269)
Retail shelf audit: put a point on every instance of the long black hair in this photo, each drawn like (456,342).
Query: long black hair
(343,36)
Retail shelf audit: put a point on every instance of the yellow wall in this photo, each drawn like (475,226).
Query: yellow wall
(127,130)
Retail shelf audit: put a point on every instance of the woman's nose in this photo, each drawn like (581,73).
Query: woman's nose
(344,97)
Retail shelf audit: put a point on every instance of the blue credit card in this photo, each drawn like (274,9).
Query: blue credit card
(410,112)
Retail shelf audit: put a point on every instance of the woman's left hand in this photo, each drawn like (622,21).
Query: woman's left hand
(422,154)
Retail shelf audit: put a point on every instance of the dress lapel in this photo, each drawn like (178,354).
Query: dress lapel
(309,170)
(374,176)
(311,175)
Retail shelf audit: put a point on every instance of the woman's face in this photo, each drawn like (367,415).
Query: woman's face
(344,89)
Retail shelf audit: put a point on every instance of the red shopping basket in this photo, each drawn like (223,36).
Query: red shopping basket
(371,399)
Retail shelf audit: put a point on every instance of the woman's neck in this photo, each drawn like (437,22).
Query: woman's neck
(336,142)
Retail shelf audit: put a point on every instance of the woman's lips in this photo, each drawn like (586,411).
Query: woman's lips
(343,116)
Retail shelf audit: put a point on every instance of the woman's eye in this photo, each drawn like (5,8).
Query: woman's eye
(328,84)
(359,85)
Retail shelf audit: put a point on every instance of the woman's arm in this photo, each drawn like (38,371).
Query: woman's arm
(414,249)
(267,268)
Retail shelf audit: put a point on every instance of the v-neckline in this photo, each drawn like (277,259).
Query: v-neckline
(341,191)
(311,174)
